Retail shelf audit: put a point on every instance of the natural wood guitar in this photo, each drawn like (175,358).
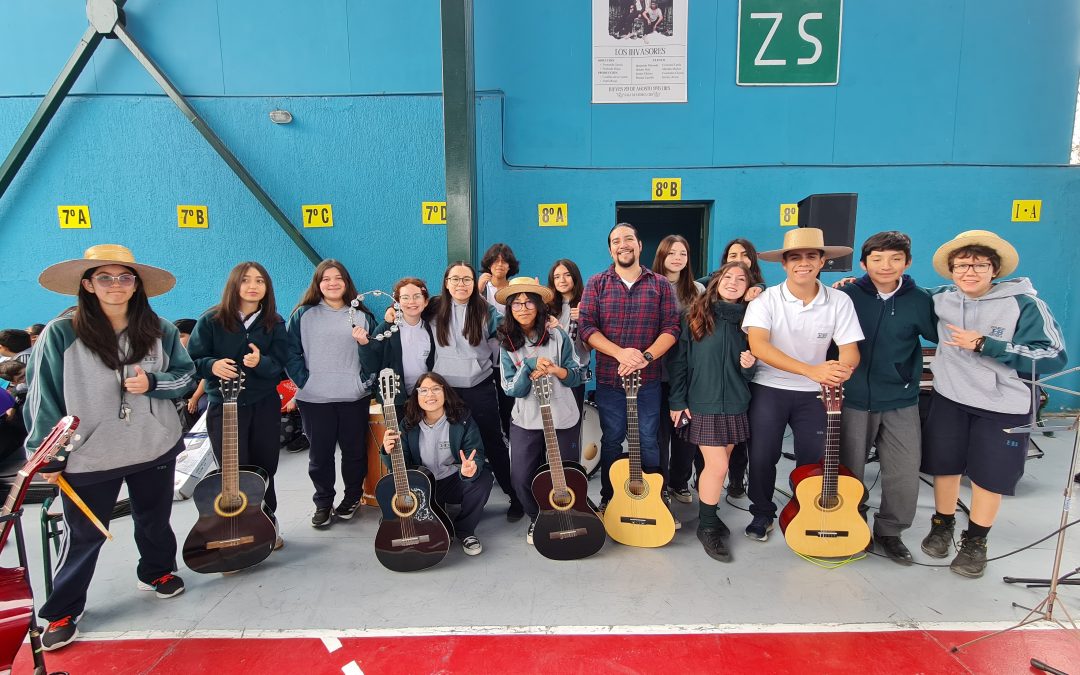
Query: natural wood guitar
(636,514)
(822,519)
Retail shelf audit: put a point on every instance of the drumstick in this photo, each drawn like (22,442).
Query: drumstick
(77,501)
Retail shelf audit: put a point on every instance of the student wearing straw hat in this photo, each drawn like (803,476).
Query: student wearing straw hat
(117,366)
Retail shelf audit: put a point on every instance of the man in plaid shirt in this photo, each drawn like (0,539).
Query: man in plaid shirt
(630,316)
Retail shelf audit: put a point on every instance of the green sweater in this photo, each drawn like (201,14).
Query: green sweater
(464,435)
(705,375)
(210,342)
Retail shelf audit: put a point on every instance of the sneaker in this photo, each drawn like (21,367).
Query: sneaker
(736,491)
(678,523)
(279,542)
(514,513)
(722,528)
(323,516)
(936,544)
(165,586)
(971,560)
(471,545)
(347,509)
(759,528)
(715,544)
(529,535)
(683,495)
(60,633)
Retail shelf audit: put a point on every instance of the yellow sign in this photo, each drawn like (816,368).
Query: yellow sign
(666,189)
(552,215)
(74,217)
(188,215)
(1026,210)
(433,213)
(318,215)
(789,215)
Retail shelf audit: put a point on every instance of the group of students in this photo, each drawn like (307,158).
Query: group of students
(725,363)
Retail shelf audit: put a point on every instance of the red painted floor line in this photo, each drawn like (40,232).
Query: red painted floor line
(913,651)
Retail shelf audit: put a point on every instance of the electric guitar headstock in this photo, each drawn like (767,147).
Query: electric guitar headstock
(832,398)
(230,389)
(631,383)
(542,390)
(389,385)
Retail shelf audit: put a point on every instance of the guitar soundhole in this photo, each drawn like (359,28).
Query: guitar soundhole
(405,505)
(561,502)
(829,503)
(637,488)
(228,507)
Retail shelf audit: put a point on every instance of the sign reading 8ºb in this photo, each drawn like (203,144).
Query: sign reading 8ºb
(789,42)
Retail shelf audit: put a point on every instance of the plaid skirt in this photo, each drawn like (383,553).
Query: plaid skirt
(715,430)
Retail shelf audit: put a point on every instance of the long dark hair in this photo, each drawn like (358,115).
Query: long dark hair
(512,334)
(313,294)
(755,269)
(228,310)
(699,315)
(575,295)
(476,310)
(453,406)
(94,329)
(684,287)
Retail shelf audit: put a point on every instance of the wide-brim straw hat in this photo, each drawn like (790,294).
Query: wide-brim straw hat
(1009,257)
(802,238)
(523,285)
(64,277)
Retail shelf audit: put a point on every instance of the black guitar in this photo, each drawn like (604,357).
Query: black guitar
(567,528)
(234,530)
(414,533)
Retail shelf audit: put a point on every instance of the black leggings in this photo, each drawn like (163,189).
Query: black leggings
(483,404)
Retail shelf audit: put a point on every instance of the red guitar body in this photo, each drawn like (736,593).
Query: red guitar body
(791,509)
(16,604)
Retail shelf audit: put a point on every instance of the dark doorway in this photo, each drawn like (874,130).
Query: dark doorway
(654,221)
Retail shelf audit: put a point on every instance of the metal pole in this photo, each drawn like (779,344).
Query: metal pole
(459,129)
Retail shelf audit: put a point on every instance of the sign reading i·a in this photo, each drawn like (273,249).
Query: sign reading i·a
(789,42)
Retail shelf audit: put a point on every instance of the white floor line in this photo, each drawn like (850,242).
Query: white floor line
(332,638)
(352,668)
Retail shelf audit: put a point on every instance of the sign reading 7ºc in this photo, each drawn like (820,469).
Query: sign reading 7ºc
(789,42)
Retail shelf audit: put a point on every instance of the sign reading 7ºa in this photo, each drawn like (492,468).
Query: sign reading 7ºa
(789,42)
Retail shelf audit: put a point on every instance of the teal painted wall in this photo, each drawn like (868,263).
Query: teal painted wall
(945,112)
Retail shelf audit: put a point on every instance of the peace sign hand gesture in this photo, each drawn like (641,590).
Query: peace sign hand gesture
(468,464)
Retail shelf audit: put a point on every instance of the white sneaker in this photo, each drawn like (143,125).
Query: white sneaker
(529,536)
(471,545)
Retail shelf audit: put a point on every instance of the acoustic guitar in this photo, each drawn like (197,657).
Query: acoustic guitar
(822,519)
(414,533)
(234,530)
(636,514)
(16,600)
(566,528)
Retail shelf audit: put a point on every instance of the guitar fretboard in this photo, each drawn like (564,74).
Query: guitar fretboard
(397,456)
(230,456)
(554,456)
(632,438)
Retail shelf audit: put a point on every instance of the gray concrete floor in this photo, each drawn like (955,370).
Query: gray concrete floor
(330,579)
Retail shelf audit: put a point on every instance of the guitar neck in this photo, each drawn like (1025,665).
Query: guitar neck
(230,454)
(830,462)
(397,456)
(632,438)
(551,446)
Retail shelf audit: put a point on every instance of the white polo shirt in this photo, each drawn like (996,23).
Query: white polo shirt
(801,332)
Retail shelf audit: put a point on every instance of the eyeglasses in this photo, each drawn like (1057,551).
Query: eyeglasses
(981,268)
(521,306)
(460,280)
(427,391)
(409,298)
(124,280)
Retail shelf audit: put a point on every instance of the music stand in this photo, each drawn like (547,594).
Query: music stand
(1044,611)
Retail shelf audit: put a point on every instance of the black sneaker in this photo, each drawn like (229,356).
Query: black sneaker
(165,586)
(683,495)
(736,490)
(759,528)
(937,543)
(323,516)
(515,512)
(715,544)
(346,509)
(60,633)
(529,534)
(971,560)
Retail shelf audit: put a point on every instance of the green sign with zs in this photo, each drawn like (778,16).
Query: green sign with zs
(789,42)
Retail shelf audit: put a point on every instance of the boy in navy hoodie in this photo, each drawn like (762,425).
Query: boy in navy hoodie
(881,400)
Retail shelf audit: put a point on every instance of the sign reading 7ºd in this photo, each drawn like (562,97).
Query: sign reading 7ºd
(789,42)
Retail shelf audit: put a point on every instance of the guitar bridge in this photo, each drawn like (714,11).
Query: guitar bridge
(229,543)
(827,534)
(411,541)
(630,520)
(567,534)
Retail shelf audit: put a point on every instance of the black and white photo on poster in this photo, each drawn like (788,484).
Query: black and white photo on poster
(639,51)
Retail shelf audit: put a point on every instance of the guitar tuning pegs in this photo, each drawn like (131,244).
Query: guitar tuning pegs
(76,437)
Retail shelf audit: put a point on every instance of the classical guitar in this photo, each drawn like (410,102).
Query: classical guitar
(567,528)
(822,519)
(636,514)
(414,533)
(16,600)
(234,530)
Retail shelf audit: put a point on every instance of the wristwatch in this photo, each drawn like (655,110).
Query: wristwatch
(648,357)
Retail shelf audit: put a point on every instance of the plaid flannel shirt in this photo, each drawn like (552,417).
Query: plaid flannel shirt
(629,317)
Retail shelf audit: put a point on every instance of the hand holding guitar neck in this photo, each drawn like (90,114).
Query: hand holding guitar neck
(224,369)
(389,440)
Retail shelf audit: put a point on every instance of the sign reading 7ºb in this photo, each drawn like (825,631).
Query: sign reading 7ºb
(789,42)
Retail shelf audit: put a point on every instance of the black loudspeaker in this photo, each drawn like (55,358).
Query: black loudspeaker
(834,215)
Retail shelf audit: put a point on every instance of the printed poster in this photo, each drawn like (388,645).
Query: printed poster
(639,51)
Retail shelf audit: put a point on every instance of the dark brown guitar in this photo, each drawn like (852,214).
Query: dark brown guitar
(234,530)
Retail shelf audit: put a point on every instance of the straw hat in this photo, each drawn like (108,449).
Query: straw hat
(801,238)
(1009,257)
(63,277)
(523,285)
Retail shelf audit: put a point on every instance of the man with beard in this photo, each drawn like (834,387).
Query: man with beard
(630,316)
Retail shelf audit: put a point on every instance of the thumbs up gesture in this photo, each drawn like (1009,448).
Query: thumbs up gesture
(138,383)
(468,464)
(251,359)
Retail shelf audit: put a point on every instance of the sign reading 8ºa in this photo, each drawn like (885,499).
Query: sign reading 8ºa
(789,42)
